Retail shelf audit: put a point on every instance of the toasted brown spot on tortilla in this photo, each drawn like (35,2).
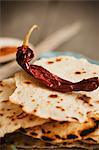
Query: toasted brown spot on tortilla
(53,96)
(64,143)
(27,82)
(1,91)
(58,59)
(33,133)
(63,122)
(2,109)
(62,109)
(48,102)
(75,118)
(8,109)
(80,113)
(50,62)
(57,136)
(5,101)
(89,130)
(45,138)
(1,114)
(19,92)
(30,117)
(61,99)
(43,131)
(48,132)
(21,115)
(84,98)
(94,72)
(84,72)
(33,100)
(35,110)
(1,83)
(72,136)
(63,138)
(15,124)
(90,139)
(12,119)
(77,72)
(97,102)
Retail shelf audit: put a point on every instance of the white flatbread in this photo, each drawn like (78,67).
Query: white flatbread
(11,116)
(68,132)
(43,102)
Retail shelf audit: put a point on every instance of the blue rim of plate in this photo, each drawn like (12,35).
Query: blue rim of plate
(67,53)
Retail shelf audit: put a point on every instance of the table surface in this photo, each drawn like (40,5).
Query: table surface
(17,17)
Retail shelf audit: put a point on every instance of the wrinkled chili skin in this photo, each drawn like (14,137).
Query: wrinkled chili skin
(24,56)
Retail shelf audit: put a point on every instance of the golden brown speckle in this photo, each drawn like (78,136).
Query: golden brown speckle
(33,100)
(84,98)
(62,109)
(35,110)
(27,82)
(50,62)
(58,59)
(1,114)
(97,102)
(1,83)
(53,96)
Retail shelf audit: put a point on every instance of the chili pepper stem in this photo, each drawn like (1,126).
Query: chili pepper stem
(26,39)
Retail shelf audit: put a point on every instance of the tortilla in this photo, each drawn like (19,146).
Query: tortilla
(12,116)
(67,132)
(21,141)
(41,101)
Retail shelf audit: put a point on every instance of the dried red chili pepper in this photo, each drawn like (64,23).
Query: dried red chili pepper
(24,56)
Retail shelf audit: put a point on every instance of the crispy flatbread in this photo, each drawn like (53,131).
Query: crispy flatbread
(12,116)
(67,132)
(43,102)
(21,141)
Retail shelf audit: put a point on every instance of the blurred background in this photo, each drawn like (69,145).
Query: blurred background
(16,17)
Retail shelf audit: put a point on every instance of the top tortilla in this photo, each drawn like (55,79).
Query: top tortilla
(43,102)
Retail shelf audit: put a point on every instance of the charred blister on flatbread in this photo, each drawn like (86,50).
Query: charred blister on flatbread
(48,139)
(90,130)
(72,136)
(90,140)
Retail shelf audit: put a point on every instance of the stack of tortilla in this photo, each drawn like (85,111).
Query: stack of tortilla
(68,119)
